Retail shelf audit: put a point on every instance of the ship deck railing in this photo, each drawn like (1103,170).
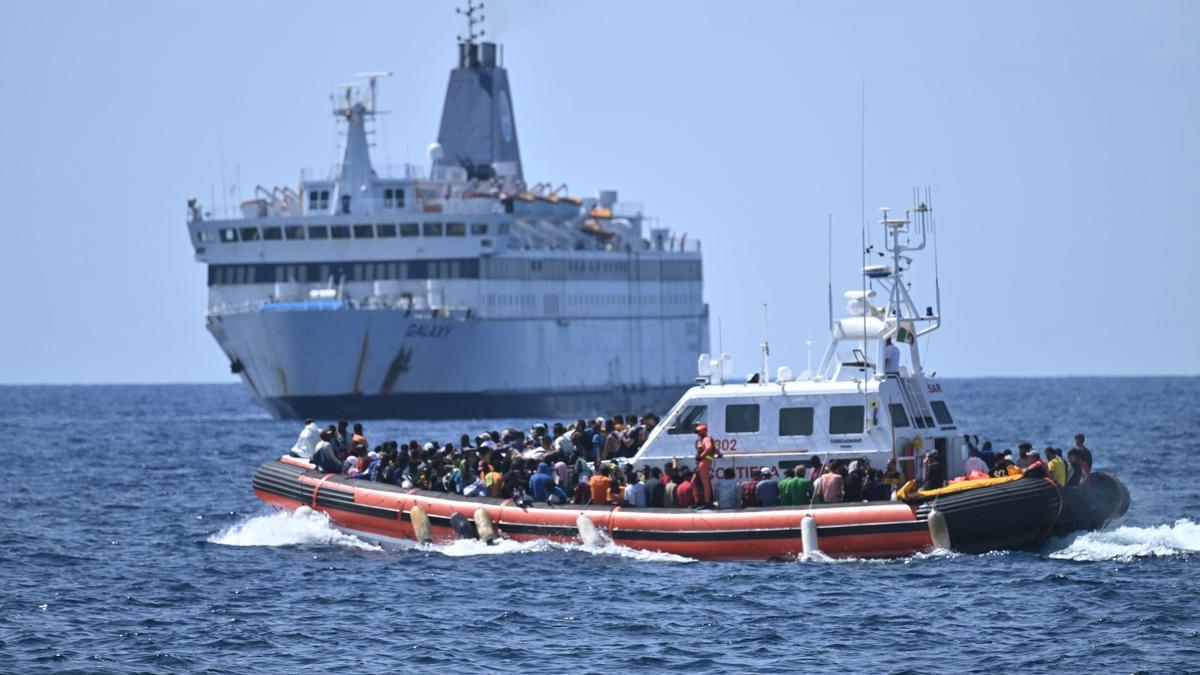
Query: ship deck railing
(412,309)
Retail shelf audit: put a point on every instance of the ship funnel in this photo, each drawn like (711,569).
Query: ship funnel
(478,130)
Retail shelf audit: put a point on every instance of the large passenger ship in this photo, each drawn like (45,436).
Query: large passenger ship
(457,291)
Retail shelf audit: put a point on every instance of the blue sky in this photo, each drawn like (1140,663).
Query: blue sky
(1060,141)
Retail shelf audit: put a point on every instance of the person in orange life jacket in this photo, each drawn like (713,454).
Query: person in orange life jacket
(706,453)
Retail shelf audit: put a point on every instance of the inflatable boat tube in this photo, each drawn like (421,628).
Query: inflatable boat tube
(1015,514)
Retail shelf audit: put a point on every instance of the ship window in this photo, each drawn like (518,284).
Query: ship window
(318,232)
(686,421)
(456,229)
(340,231)
(941,412)
(479,228)
(899,418)
(795,421)
(399,198)
(387,198)
(272,233)
(485,242)
(409,230)
(433,229)
(388,230)
(357,274)
(741,418)
(845,419)
(364,232)
(294,231)
(249,234)
(203,236)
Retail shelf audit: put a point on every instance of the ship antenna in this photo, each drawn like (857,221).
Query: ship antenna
(829,268)
(766,349)
(472,21)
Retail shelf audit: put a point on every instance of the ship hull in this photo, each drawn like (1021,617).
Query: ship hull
(370,364)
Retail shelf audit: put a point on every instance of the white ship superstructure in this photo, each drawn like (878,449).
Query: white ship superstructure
(863,401)
(460,291)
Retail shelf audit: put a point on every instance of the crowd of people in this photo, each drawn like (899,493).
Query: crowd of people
(1075,470)
(586,462)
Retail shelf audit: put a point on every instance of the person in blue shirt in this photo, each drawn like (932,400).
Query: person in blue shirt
(599,439)
(767,489)
(541,484)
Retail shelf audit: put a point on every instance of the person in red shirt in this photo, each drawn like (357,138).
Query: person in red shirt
(706,454)
(684,497)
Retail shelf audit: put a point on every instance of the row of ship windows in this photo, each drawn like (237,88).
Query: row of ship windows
(225,275)
(230,235)
(622,269)
(462,268)
(745,418)
(591,300)
(318,200)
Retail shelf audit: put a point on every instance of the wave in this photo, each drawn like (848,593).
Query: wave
(302,527)
(306,527)
(600,546)
(1129,543)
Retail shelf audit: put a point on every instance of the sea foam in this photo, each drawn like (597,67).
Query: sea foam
(1129,543)
(302,527)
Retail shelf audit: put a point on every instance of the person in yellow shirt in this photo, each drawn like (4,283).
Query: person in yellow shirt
(1057,467)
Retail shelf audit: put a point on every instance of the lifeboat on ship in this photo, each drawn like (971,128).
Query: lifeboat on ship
(1018,513)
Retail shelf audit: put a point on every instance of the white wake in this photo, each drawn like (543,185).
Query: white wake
(302,527)
(307,527)
(1128,543)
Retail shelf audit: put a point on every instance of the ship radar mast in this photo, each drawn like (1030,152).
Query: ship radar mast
(355,173)
(472,21)
(901,321)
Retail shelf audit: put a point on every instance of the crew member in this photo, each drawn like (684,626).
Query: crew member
(891,358)
(706,453)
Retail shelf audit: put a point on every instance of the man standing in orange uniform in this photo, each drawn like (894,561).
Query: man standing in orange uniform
(706,453)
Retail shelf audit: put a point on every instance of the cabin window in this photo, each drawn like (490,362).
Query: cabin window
(364,232)
(795,421)
(456,229)
(741,418)
(409,230)
(386,231)
(318,200)
(941,412)
(899,417)
(845,419)
(294,231)
(272,233)
(688,418)
(433,229)
(203,236)
(393,197)
(249,234)
(340,231)
(479,228)
(318,232)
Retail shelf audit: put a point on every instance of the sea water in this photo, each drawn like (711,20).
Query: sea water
(132,543)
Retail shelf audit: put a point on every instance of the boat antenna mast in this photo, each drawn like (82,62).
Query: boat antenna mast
(472,21)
